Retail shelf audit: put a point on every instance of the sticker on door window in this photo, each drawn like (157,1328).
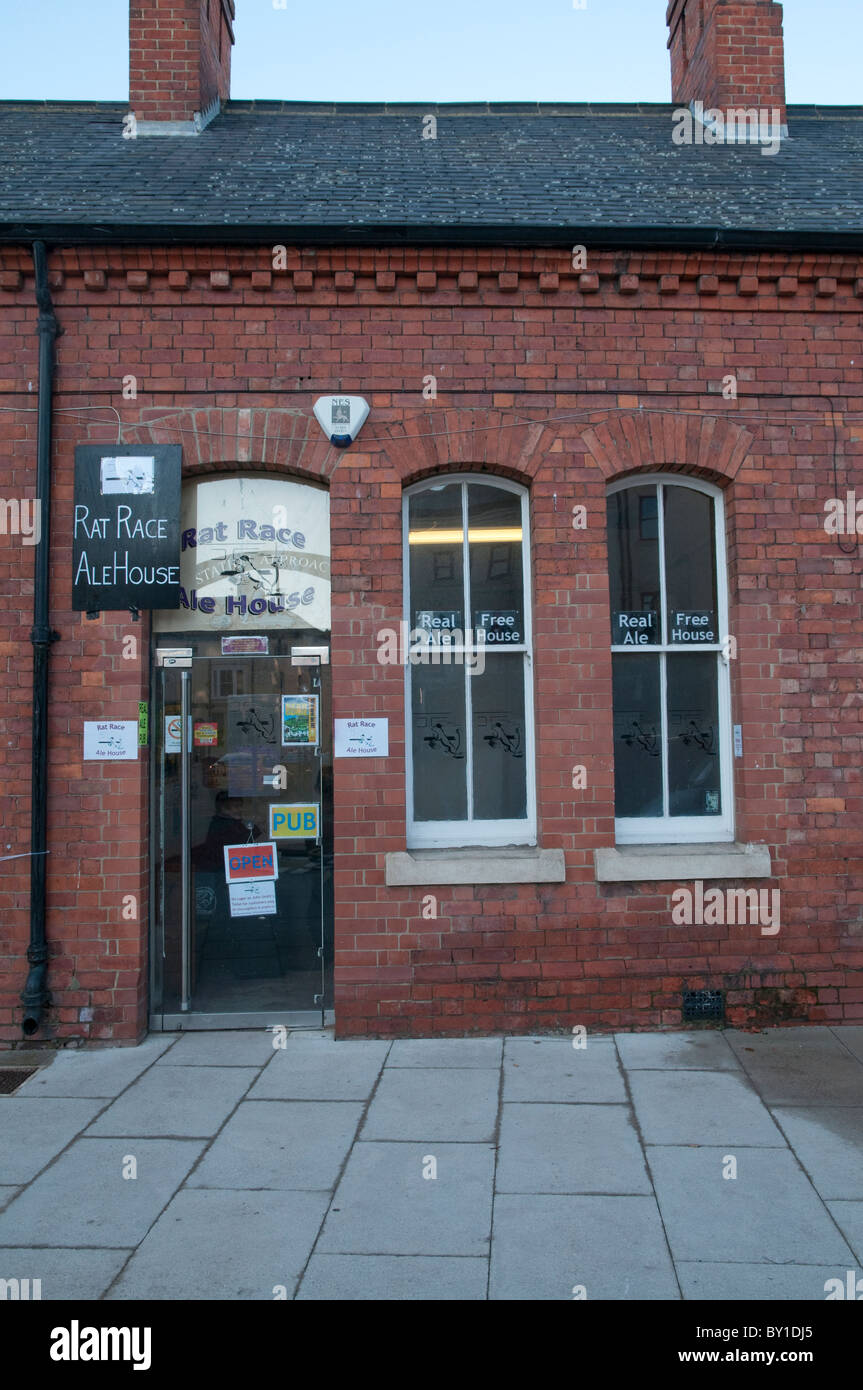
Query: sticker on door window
(299,720)
(299,821)
(252,899)
(243,645)
(252,720)
(206,734)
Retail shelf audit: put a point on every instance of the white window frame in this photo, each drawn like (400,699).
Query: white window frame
(671,830)
(466,833)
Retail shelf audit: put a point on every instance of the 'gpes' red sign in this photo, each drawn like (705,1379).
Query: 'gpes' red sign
(248,862)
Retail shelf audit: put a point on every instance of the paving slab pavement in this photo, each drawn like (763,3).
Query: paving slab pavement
(713,1164)
(553,1247)
(391,1201)
(32,1133)
(224,1245)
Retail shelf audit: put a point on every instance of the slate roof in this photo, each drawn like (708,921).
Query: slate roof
(498,173)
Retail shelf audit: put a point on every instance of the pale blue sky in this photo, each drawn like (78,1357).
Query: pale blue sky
(435,50)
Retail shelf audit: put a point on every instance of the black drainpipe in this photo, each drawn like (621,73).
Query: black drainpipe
(35,996)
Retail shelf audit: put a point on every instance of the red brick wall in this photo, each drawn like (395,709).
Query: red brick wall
(727,53)
(561,380)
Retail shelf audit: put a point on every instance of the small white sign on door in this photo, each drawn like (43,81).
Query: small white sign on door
(173,733)
(111,740)
(252,899)
(362,738)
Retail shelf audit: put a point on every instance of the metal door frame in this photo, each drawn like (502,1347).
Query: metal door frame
(188,1019)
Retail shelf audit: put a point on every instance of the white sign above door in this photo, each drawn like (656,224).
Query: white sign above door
(255,554)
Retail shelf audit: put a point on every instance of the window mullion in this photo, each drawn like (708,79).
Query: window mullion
(663,623)
(663,724)
(468,613)
(660,512)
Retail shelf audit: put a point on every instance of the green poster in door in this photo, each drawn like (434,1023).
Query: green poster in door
(299,720)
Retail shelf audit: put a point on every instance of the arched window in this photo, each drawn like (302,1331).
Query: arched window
(469,693)
(669,639)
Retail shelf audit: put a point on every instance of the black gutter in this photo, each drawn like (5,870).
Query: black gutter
(422,234)
(35,996)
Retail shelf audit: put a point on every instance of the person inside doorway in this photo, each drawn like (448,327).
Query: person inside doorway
(232,823)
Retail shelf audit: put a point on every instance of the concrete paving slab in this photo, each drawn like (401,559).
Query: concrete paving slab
(317,1068)
(32,1132)
(187,1102)
(551,1069)
(228,1049)
(752,1283)
(851,1035)
(769,1214)
(102,1071)
(679,1107)
(828,1140)
(799,1066)
(849,1218)
(389,1278)
(446,1052)
(433,1106)
(224,1245)
(544,1247)
(384,1206)
(569,1148)
(72,1274)
(83,1198)
(282,1145)
(6,1195)
(708,1051)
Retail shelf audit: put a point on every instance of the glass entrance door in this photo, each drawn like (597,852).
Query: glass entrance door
(243,830)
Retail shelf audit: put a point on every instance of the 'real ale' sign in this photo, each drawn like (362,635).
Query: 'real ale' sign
(126,527)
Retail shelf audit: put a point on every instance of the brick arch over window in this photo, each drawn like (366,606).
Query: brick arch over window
(223,440)
(437,441)
(668,442)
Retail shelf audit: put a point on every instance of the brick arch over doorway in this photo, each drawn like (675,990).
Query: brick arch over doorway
(224,439)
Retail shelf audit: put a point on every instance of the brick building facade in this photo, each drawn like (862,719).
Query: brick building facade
(562,358)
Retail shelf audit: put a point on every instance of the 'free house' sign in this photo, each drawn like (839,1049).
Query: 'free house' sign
(126,527)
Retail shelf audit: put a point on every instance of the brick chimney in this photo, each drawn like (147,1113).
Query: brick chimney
(179,63)
(727,54)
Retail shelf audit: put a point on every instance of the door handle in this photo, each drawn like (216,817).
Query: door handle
(310,656)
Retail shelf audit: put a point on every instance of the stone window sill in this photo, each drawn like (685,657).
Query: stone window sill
(504,864)
(675,863)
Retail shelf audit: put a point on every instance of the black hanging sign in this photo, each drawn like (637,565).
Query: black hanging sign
(126,527)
